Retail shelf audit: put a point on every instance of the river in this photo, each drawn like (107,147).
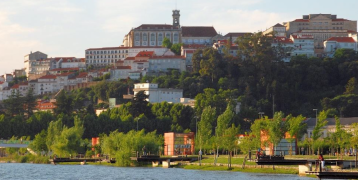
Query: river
(88,172)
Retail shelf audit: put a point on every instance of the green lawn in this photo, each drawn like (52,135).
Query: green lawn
(251,170)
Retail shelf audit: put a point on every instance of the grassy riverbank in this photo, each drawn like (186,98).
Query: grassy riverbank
(28,158)
(238,169)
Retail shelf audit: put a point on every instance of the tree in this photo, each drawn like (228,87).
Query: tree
(30,102)
(166,43)
(139,105)
(69,140)
(14,104)
(223,123)
(205,127)
(64,103)
(39,142)
(352,86)
(295,126)
(317,130)
(229,141)
(176,48)
(276,129)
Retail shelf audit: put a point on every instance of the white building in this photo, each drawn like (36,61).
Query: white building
(330,127)
(334,43)
(157,95)
(101,57)
(303,45)
(73,63)
(30,59)
(164,63)
(278,30)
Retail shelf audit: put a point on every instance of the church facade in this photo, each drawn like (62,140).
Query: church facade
(152,35)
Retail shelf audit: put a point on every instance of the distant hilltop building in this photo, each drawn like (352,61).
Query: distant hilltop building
(321,27)
(152,35)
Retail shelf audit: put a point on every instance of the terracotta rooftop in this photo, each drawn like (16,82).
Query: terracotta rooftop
(198,31)
(16,86)
(167,57)
(194,46)
(283,40)
(145,54)
(123,67)
(48,77)
(65,69)
(340,19)
(129,58)
(342,39)
(82,75)
(65,74)
(302,36)
(155,26)
(107,48)
(301,20)
(237,34)
(279,25)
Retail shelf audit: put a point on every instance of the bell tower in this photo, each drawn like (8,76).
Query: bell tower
(176,17)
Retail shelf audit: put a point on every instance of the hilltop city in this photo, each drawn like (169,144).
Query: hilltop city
(142,53)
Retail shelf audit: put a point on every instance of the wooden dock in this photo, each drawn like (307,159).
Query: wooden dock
(151,158)
(334,175)
(61,160)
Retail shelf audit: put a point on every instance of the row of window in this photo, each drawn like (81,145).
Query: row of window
(153,37)
(101,61)
(196,40)
(101,56)
(320,23)
(107,52)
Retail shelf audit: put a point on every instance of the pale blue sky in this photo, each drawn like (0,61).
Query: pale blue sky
(68,27)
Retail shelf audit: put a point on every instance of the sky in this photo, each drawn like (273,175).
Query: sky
(66,28)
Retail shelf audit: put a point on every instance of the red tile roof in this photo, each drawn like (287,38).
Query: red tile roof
(167,57)
(65,69)
(283,40)
(24,83)
(65,74)
(45,105)
(237,34)
(73,60)
(279,25)
(48,77)
(123,67)
(129,58)
(340,19)
(301,20)
(342,39)
(198,31)
(1,82)
(148,47)
(82,75)
(194,46)
(145,54)
(155,26)
(302,36)
(16,86)
(108,48)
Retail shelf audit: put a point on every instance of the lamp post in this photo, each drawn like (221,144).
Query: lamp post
(260,114)
(316,115)
(137,122)
(196,127)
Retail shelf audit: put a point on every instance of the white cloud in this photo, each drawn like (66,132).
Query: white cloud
(64,9)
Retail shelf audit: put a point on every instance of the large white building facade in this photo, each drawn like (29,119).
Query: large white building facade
(157,95)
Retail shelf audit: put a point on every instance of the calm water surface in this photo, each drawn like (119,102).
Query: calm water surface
(87,172)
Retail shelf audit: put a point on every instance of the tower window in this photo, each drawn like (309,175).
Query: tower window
(144,37)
